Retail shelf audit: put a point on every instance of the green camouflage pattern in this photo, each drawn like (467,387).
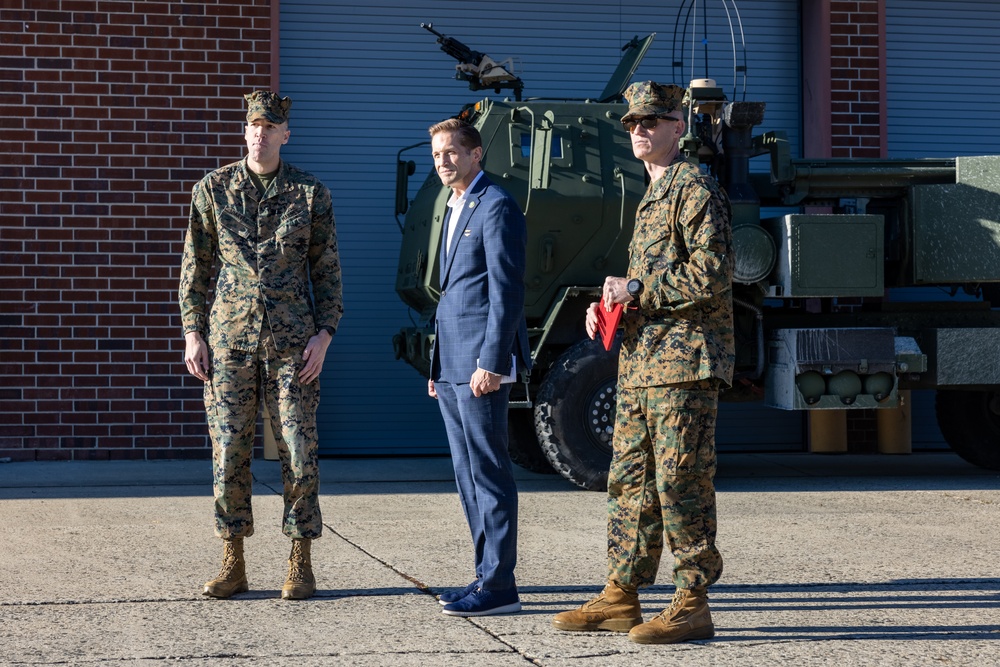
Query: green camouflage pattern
(279,280)
(681,249)
(660,485)
(646,98)
(678,349)
(237,380)
(266,104)
(270,250)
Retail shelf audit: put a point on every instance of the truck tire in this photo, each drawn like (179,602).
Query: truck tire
(575,413)
(970,422)
(522,443)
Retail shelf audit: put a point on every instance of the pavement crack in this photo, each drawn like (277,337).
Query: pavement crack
(208,657)
(421,586)
(500,639)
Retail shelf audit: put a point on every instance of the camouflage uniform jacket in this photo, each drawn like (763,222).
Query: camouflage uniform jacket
(681,250)
(277,258)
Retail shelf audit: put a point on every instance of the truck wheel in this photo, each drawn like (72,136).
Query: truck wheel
(522,443)
(970,422)
(575,413)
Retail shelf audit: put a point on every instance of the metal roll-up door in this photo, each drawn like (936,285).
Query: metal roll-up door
(942,89)
(366,81)
(942,77)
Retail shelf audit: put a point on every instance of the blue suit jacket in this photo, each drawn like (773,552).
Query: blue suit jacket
(480,315)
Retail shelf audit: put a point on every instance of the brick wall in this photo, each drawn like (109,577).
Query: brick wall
(857,84)
(111,111)
(857,122)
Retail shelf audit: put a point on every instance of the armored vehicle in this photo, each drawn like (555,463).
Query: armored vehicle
(815,330)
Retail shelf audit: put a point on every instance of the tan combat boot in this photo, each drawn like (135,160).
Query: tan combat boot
(301,583)
(232,578)
(616,609)
(686,618)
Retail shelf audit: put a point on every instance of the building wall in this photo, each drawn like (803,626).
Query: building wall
(843,78)
(942,77)
(942,87)
(857,78)
(367,81)
(111,112)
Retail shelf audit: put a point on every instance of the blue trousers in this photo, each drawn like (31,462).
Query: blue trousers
(477,435)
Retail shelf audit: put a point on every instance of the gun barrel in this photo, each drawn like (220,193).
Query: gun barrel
(429,27)
(823,179)
(455,48)
(871,177)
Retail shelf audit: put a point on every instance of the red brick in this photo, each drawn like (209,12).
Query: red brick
(18,455)
(53,455)
(83,87)
(867,153)
(125,454)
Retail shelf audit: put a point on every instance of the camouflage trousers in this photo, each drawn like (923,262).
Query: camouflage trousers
(237,381)
(660,485)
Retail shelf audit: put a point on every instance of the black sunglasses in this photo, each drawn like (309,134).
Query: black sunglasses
(648,122)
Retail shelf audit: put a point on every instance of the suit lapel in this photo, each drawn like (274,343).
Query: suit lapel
(471,205)
(445,255)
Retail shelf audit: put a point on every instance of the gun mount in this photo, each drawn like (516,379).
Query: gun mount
(481,71)
(820,246)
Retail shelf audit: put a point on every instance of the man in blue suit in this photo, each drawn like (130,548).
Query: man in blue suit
(481,342)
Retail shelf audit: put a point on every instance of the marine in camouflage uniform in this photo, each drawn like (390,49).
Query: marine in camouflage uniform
(269,228)
(677,352)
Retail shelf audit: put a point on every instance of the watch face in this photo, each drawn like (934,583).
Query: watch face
(634,286)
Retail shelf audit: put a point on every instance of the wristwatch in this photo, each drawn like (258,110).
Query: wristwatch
(634,288)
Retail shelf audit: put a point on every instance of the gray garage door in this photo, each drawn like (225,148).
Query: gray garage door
(942,77)
(367,81)
(942,92)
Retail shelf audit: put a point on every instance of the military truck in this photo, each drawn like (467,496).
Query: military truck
(814,327)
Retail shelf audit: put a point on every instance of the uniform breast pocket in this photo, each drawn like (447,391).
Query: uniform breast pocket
(293,235)
(236,236)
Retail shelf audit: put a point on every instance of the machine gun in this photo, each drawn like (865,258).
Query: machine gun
(481,71)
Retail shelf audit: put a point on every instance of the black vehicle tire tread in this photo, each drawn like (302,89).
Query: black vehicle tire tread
(969,425)
(522,443)
(559,404)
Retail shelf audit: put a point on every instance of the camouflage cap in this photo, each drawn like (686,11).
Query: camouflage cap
(266,104)
(647,98)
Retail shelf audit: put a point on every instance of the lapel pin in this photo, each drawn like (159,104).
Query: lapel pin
(468,232)
(472,204)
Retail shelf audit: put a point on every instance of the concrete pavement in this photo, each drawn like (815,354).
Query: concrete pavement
(830,560)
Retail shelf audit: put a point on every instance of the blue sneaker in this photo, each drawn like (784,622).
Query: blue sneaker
(455,595)
(485,603)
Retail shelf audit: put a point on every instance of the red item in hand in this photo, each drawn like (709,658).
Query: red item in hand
(607,323)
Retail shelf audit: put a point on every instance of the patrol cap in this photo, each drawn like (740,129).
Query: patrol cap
(647,98)
(267,104)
